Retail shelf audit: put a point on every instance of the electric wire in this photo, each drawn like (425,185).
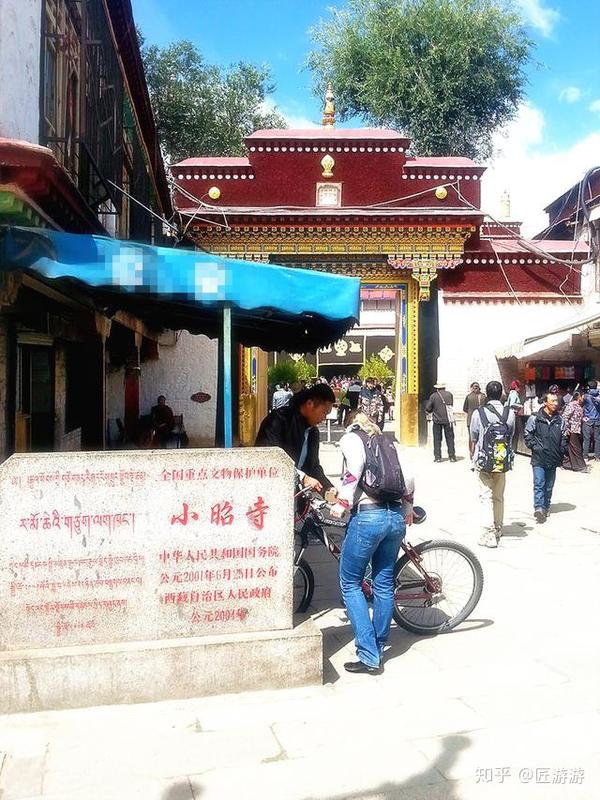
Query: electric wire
(163,219)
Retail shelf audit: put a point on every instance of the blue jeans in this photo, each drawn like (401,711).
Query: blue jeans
(543,483)
(372,536)
(587,428)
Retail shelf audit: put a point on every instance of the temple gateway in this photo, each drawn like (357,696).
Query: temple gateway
(438,279)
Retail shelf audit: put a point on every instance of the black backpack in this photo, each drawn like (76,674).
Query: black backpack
(496,451)
(382,477)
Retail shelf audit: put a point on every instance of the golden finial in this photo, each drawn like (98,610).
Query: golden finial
(329,111)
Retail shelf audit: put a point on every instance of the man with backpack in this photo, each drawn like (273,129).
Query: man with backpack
(378,493)
(492,430)
(545,436)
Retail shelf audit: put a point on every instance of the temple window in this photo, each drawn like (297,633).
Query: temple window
(329,195)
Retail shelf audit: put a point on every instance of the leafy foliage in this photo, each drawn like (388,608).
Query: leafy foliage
(306,371)
(288,371)
(447,73)
(374,367)
(202,109)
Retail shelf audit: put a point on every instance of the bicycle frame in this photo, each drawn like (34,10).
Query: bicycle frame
(313,526)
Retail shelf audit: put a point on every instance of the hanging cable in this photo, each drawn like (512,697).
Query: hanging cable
(503,271)
(139,203)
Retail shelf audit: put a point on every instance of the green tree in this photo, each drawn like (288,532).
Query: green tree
(282,372)
(202,109)
(306,371)
(289,371)
(447,73)
(374,367)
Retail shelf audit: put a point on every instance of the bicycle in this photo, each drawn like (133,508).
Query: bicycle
(428,597)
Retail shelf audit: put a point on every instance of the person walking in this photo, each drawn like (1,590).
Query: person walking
(491,432)
(514,400)
(474,400)
(573,421)
(343,406)
(373,536)
(545,437)
(591,421)
(370,403)
(440,406)
(281,397)
(354,391)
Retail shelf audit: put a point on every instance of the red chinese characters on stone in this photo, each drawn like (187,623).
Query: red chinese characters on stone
(221,514)
(256,514)
(186,514)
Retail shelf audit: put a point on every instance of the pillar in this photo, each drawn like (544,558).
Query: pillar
(407,350)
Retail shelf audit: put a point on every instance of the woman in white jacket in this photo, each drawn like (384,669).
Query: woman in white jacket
(374,534)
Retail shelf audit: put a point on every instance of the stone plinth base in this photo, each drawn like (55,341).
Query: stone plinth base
(140,672)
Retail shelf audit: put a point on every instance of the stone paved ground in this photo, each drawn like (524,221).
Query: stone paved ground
(515,691)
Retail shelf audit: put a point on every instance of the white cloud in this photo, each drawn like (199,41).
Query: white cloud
(531,171)
(539,16)
(594,106)
(570,95)
(292,117)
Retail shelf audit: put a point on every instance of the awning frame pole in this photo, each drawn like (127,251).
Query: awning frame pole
(227,389)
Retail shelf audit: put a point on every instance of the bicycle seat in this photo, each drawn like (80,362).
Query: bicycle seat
(419,515)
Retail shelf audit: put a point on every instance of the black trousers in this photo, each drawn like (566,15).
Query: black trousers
(448,430)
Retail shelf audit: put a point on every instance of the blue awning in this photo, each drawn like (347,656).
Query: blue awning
(273,307)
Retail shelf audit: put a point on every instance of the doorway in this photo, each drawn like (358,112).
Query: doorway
(35,398)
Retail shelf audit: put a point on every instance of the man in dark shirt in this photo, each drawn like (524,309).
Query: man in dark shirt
(294,429)
(163,421)
(440,406)
(546,437)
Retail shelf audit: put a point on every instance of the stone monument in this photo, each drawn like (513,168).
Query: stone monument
(146,575)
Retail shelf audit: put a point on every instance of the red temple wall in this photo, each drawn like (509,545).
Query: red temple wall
(290,179)
(522,277)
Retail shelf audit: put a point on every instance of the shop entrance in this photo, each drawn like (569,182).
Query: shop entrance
(35,401)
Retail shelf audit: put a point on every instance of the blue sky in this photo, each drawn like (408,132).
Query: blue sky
(554,138)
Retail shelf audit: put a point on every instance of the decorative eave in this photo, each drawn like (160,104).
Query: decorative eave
(241,215)
(495,298)
(523,252)
(453,170)
(37,181)
(213,169)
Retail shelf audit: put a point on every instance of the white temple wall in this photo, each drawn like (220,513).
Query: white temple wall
(20,46)
(187,367)
(471,334)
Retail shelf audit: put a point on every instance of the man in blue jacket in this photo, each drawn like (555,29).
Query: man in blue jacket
(546,438)
(591,420)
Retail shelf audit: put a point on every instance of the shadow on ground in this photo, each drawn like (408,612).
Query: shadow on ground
(416,787)
(431,784)
(556,508)
(183,789)
(336,637)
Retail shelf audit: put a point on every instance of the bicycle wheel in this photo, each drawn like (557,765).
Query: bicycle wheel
(304,586)
(457,576)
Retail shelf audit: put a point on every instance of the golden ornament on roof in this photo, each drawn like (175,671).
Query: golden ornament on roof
(329,110)
(328,164)
(214,193)
(441,193)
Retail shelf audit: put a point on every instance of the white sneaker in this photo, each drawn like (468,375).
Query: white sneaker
(488,539)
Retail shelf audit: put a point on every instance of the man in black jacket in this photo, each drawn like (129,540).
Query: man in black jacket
(440,406)
(294,429)
(546,438)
